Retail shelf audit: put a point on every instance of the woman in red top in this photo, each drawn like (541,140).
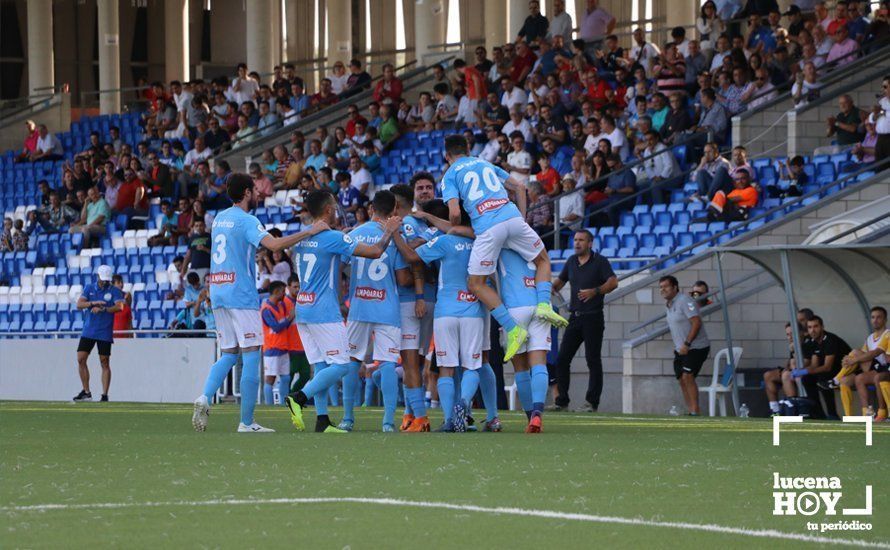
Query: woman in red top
(123,319)
(30,141)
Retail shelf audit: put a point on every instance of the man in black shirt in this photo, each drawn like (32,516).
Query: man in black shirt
(826,351)
(197,258)
(590,278)
(535,25)
(358,80)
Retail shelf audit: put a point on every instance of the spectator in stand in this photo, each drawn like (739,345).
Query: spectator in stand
(339,78)
(823,42)
(216,137)
(713,172)
(760,37)
(262,185)
(158,178)
(420,116)
(48,146)
(678,37)
(760,91)
(243,87)
(361,177)
(512,94)
(792,179)
(724,50)
(197,257)
(878,31)
(844,48)
(483,64)
(560,22)
(732,89)
(677,121)
(657,165)
(446,107)
(166,223)
(880,117)
(316,158)
(123,319)
(658,110)
(6,237)
(358,79)
(621,183)
(490,148)
(389,87)
(864,151)
(522,63)
(540,212)
(595,24)
(551,126)
(110,184)
(691,344)
(30,143)
(571,207)
(848,124)
(713,119)
(388,129)
(519,161)
(93,217)
(547,177)
(840,18)
(132,200)
(269,121)
(492,113)
(535,25)
(349,198)
(643,54)
(806,86)
(858,25)
(736,205)
(696,62)
(56,216)
(709,26)
(325,96)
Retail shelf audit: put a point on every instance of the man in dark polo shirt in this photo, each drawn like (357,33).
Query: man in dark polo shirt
(590,278)
(100,300)
(197,258)
(827,350)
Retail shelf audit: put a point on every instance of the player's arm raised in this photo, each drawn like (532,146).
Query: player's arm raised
(390,228)
(519,191)
(283,243)
(408,252)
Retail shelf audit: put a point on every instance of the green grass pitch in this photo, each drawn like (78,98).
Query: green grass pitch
(137,475)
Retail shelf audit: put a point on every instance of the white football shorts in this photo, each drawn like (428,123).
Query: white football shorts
(238,328)
(325,343)
(373,341)
(514,234)
(459,341)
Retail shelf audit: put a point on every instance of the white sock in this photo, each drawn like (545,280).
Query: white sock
(774,406)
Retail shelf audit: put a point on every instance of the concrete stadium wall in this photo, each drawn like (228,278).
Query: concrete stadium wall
(647,378)
(147,370)
(57,118)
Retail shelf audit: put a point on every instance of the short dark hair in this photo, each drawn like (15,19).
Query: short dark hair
(441,88)
(702,283)
(709,93)
(585,232)
(384,202)
(316,202)
(193,278)
(437,208)
(678,32)
(165,202)
(293,278)
(806,312)
(817,319)
(459,63)
(403,192)
(456,144)
(237,186)
(670,279)
(880,309)
(422,175)
(116,277)
(275,286)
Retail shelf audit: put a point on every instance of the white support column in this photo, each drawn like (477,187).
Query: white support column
(109,56)
(339,46)
(429,26)
(40,46)
(518,11)
(176,39)
(259,42)
(495,16)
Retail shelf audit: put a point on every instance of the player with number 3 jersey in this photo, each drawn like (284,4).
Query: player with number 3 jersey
(498,223)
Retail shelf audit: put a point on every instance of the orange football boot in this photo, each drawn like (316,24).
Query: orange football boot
(420,424)
(534,425)
(406,422)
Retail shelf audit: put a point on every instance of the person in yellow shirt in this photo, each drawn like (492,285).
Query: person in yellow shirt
(872,360)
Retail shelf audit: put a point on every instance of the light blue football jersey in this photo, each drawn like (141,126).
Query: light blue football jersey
(413,229)
(317,260)
(516,280)
(373,290)
(453,254)
(480,185)
(235,236)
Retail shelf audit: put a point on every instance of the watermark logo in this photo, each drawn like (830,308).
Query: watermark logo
(809,496)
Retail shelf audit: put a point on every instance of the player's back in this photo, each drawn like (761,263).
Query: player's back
(317,260)
(453,254)
(235,235)
(516,280)
(478,183)
(373,289)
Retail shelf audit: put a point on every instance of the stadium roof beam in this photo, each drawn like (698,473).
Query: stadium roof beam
(846,280)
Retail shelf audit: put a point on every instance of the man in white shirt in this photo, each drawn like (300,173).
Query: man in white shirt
(519,162)
(518,123)
(594,135)
(243,87)
(661,166)
(181,97)
(643,52)
(491,148)
(513,95)
(196,155)
(760,91)
(723,50)
(615,136)
(571,205)
(361,177)
(880,117)
(48,146)
(561,22)
(466,112)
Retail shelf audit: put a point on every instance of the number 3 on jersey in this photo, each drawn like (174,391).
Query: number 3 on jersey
(489,178)
(219,249)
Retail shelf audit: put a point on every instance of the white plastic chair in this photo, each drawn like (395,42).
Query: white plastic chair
(723,382)
(512,393)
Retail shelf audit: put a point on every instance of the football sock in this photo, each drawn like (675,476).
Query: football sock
(389,384)
(864,411)
(542,289)
(350,382)
(267,394)
(884,386)
(523,381)
(847,399)
(774,406)
(322,421)
(415,398)
(409,405)
(845,371)
(283,388)
(218,373)
(489,384)
(503,317)
(334,395)
(540,384)
(882,413)
(446,395)
(469,383)
(250,384)
(325,377)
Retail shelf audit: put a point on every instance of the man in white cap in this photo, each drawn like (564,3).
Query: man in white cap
(100,300)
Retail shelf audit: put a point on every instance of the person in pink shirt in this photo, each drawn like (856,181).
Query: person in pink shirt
(30,141)
(262,185)
(843,48)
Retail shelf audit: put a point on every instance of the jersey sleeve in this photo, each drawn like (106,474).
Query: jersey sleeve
(431,251)
(253,230)
(117,295)
(340,243)
(449,186)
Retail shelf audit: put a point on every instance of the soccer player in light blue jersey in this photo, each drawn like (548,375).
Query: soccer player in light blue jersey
(373,326)
(516,283)
(460,327)
(417,301)
(235,236)
(318,260)
(498,223)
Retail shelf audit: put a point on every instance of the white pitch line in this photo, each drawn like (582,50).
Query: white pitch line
(549,514)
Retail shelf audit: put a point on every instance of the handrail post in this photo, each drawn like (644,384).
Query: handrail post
(556,226)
